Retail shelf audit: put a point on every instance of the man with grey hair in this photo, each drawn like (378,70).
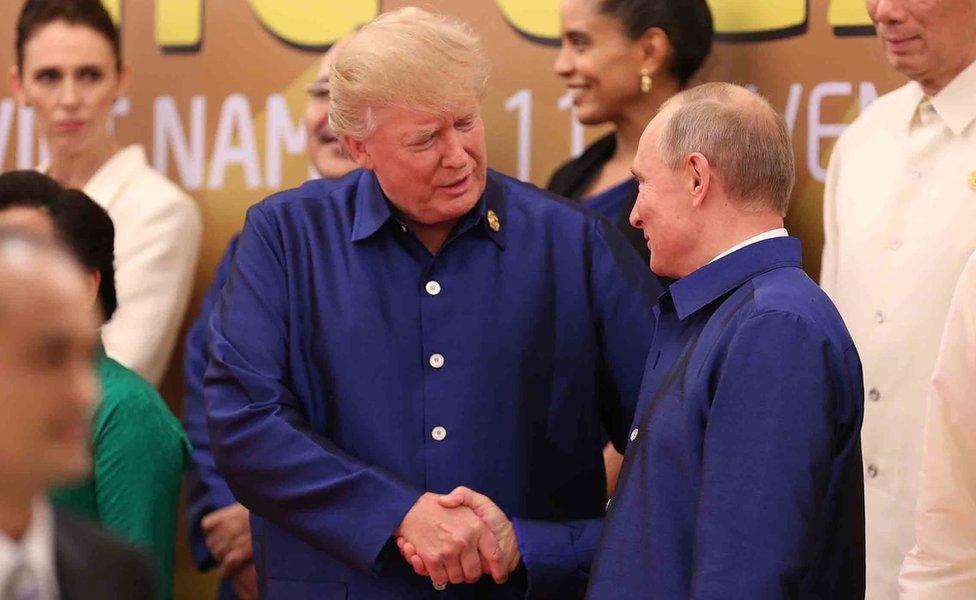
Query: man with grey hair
(742,478)
(899,214)
(421,324)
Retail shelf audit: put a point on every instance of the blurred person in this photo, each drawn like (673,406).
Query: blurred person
(218,525)
(420,324)
(899,204)
(138,445)
(48,388)
(620,60)
(742,478)
(942,565)
(70,72)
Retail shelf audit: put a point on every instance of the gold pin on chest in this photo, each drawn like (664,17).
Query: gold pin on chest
(493,221)
(972,181)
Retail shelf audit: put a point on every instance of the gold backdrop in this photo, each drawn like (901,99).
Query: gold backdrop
(217,98)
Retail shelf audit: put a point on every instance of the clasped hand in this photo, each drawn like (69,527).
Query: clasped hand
(457,538)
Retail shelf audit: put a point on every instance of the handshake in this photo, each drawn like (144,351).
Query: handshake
(457,538)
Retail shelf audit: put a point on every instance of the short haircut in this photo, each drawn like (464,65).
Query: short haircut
(90,13)
(82,225)
(744,139)
(409,58)
(687,23)
(87,230)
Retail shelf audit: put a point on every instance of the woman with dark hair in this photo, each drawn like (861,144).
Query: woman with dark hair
(70,72)
(138,446)
(620,60)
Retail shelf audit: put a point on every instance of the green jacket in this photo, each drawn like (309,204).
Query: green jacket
(139,451)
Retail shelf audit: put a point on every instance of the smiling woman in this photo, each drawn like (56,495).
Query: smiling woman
(70,71)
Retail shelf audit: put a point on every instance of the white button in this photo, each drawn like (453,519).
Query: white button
(894,244)
(436,360)
(433,288)
(874,394)
(872,471)
(609,500)
(438,433)
(440,587)
(633,434)
(915,175)
(879,317)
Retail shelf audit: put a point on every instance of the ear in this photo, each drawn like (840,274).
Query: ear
(359,151)
(699,177)
(17,85)
(656,48)
(94,281)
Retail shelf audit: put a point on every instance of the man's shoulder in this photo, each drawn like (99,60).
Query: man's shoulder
(537,205)
(94,564)
(897,105)
(314,193)
(789,293)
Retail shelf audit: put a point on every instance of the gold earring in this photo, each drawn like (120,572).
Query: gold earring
(645,81)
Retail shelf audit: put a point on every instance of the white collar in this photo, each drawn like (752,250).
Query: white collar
(35,548)
(766,235)
(112,176)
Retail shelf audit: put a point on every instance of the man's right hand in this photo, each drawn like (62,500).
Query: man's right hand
(450,542)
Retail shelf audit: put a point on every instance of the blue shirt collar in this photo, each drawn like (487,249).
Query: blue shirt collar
(695,291)
(373,210)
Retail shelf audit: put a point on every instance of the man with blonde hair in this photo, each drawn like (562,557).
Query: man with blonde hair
(742,477)
(418,325)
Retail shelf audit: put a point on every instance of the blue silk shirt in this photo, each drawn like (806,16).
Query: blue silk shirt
(742,477)
(351,371)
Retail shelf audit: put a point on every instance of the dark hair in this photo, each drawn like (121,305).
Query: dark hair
(81,224)
(687,23)
(90,13)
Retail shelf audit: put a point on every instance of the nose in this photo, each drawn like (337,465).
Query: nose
(69,93)
(454,156)
(563,65)
(886,11)
(635,218)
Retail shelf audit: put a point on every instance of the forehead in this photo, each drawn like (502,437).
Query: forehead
(33,221)
(61,43)
(403,119)
(42,297)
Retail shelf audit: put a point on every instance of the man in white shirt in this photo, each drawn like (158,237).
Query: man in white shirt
(942,566)
(48,387)
(899,214)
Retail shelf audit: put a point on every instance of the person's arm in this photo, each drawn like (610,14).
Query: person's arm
(271,459)
(139,454)
(153,277)
(206,489)
(558,555)
(943,563)
(776,417)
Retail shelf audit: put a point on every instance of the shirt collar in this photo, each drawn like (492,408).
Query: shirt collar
(373,210)
(772,233)
(695,291)
(35,549)
(105,185)
(955,103)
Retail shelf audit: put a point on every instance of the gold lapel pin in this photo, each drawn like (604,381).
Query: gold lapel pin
(495,224)
(972,181)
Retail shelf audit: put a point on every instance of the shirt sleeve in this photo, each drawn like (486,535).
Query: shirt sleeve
(153,280)
(767,458)
(942,565)
(262,444)
(139,457)
(558,555)
(206,489)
